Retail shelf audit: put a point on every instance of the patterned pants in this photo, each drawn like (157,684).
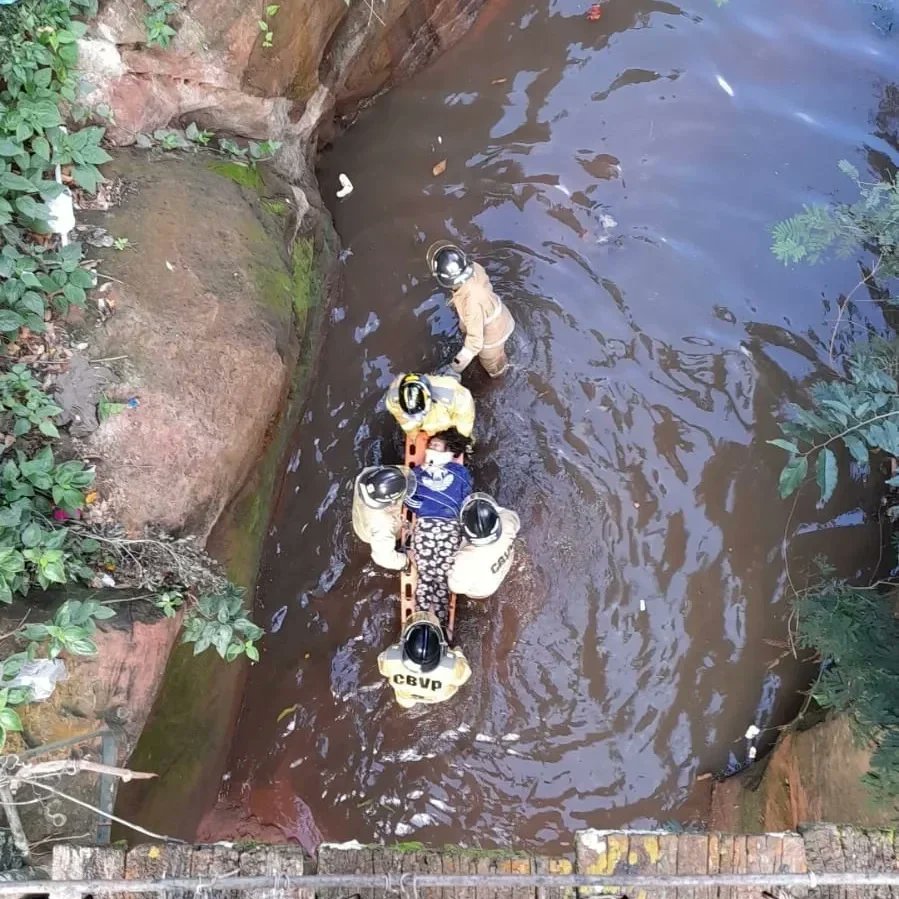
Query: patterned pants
(434,542)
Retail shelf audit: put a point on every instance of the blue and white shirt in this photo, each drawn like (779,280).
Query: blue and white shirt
(440,490)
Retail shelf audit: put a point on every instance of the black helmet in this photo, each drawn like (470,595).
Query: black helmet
(415,394)
(383,486)
(480,519)
(422,644)
(450,266)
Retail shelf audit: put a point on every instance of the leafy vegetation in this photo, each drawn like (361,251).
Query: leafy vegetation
(42,541)
(859,414)
(156,21)
(24,404)
(872,222)
(220,621)
(241,161)
(854,631)
(265,25)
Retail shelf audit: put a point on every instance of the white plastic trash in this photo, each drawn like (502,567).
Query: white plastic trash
(346,186)
(40,676)
(62,212)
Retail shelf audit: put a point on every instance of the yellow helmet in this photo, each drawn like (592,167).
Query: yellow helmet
(415,394)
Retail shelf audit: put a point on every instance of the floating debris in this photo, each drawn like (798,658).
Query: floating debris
(285,712)
(440,804)
(724,86)
(346,186)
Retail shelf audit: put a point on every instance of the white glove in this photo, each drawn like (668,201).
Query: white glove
(462,360)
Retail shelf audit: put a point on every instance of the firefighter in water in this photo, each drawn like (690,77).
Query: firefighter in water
(378,496)
(488,547)
(430,403)
(421,667)
(484,320)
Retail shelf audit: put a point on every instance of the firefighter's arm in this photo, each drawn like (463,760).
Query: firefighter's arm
(383,552)
(462,670)
(381,665)
(513,522)
(463,412)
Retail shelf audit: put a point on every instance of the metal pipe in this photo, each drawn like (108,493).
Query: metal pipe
(410,881)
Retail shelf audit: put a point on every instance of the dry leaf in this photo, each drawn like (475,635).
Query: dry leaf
(499,81)
(705,777)
(594,13)
(440,168)
(169,266)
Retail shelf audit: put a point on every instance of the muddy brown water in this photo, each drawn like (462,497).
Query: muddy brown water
(618,179)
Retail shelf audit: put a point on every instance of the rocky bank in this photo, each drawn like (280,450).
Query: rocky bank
(813,775)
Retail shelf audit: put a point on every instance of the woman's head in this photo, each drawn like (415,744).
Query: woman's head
(451,441)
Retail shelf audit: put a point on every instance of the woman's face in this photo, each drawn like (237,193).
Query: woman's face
(438,444)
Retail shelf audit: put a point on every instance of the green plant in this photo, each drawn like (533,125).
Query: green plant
(71,629)
(9,717)
(34,281)
(253,152)
(872,221)
(122,243)
(197,136)
(220,620)
(24,403)
(106,408)
(265,25)
(855,632)
(169,601)
(159,31)
(859,414)
(170,139)
(33,549)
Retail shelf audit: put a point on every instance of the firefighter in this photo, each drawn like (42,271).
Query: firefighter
(488,547)
(421,667)
(430,403)
(484,320)
(378,496)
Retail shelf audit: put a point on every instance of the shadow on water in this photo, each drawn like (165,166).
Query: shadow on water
(618,179)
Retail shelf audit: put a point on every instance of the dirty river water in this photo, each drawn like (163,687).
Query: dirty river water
(618,179)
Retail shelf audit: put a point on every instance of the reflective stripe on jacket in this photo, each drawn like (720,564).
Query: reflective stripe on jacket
(380,529)
(478,571)
(484,319)
(452,406)
(434,686)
